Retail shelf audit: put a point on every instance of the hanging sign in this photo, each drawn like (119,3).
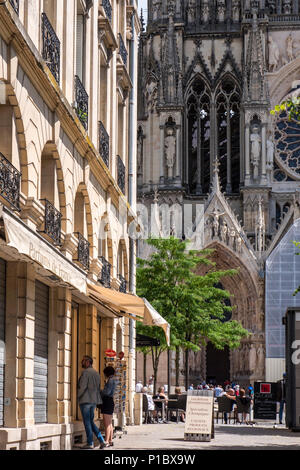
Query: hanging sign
(110,353)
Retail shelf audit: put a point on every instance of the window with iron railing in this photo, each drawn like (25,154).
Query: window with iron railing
(104,144)
(123,284)
(121,174)
(122,49)
(81,102)
(105,274)
(83,251)
(15,5)
(51,47)
(107,9)
(52,222)
(10,182)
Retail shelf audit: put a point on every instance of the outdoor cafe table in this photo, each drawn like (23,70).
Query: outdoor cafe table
(164,403)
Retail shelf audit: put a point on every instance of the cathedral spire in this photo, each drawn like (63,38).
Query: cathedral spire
(216,187)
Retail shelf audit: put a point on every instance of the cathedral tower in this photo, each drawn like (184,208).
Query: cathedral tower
(210,71)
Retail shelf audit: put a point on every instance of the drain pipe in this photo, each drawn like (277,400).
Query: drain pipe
(132,201)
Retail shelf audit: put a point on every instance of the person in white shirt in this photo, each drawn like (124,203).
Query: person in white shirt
(139,387)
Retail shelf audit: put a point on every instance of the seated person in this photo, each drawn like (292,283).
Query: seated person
(151,404)
(161,394)
(177,393)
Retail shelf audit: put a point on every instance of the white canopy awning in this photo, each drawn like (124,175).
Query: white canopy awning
(131,306)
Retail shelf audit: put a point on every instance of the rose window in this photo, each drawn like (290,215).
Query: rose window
(287,142)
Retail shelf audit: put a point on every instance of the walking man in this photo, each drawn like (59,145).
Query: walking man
(88,398)
(281,395)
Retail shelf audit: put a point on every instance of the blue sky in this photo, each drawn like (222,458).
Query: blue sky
(143,4)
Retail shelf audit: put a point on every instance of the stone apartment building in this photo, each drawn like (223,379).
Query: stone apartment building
(210,71)
(68,75)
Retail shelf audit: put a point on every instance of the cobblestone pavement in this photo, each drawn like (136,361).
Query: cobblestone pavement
(231,437)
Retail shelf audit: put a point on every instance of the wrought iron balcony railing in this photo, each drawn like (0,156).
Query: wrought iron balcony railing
(52,223)
(10,181)
(81,102)
(15,5)
(121,174)
(83,251)
(107,8)
(104,144)
(105,274)
(51,47)
(123,284)
(122,49)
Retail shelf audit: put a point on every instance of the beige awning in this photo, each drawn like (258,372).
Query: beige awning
(131,306)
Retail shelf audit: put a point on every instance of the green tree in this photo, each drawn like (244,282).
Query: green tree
(291,106)
(191,303)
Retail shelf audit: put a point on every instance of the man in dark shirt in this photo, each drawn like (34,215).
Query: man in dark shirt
(281,395)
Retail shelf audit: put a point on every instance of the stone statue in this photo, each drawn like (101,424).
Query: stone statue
(289,48)
(252,358)
(224,230)
(232,235)
(140,145)
(191,9)
(156,6)
(272,6)
(273,55)
(255,140)
(151,95)
(270,156)
(287,7)
(260,366)
(205,11)
(170,151)
(216,222)
(236,10)
(221,9)
(238,244)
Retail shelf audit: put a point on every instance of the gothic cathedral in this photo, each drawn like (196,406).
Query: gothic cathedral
(210,71)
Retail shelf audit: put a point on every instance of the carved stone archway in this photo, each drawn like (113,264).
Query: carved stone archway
(246,287)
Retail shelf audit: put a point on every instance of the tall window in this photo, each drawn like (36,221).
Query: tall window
(228,122)
(80,41)
(213,127)
(198,132)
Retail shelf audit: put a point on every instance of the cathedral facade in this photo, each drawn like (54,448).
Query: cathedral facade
(210,72)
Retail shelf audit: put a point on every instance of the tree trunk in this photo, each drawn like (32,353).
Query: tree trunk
(187,374)
(177,364)
(145,369)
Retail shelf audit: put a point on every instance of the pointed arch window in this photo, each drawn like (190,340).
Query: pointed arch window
(198,135)
(228,131)
(213,122)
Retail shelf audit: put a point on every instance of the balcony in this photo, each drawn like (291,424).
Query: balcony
(107,9)
(10,181)
(83,251)
(51,47)
(15,5)
(123,284)
(105,274)
(52,223)
(122,50)
(81,102)
(121,174)
(104,144)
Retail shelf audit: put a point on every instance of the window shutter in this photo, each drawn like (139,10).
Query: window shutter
(79,46)
(41,353)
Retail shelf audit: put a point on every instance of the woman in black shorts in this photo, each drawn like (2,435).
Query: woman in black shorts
(107,407)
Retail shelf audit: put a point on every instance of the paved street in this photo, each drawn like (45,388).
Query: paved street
(233,437)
